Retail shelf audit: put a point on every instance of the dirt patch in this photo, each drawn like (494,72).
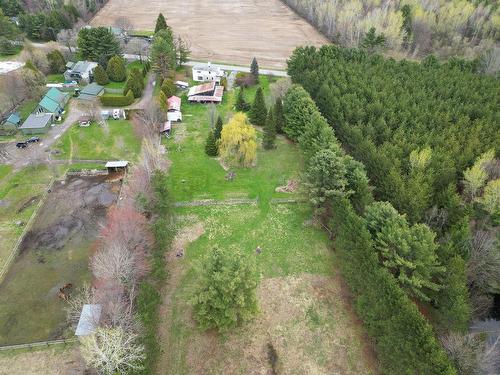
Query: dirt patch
(50,361)
(291,187)
(303,328)
(232,31)
(184,237)
(74,208)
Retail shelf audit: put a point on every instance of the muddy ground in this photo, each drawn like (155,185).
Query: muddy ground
(231,31)
(53,253)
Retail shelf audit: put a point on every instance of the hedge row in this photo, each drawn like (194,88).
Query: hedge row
(117,101)
(404,340)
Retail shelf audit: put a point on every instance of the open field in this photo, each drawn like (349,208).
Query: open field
(304,313)
(95,143)
(62,360)
(53,253)
(232,31)
(20,192)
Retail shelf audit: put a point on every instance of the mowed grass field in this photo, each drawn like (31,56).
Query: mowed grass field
(303,314)
(231,31)
(95,143)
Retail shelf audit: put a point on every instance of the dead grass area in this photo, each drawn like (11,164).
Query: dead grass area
(54,361)
(304,318)
(181,240)
(232,31)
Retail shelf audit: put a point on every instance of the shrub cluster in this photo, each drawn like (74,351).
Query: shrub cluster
(117,101)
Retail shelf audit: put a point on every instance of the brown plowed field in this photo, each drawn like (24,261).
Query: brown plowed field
(230,31)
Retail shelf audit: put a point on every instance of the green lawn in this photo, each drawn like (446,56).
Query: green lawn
(142,33)
(19,194)
(193,175)
(301,310)
(115,85)
(55,78)
(94,143)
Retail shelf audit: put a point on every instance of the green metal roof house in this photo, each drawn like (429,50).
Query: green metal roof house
(58,96)
(37,123)
(53,102)
(12,122)
(47,105)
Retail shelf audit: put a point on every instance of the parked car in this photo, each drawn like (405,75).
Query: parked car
(22,144)
(33,139)
(117,114)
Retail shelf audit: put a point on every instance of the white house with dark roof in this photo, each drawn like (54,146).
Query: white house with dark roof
(207,72)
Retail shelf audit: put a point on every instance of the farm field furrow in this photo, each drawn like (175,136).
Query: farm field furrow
(232,31)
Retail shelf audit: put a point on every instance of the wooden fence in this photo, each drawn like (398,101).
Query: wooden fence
(39,344)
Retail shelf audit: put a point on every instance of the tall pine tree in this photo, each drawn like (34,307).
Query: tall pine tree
(161,23)
(269,139)
(241,104)
(218,128)
(211,145)
(279,118)
(254,69)
(258,114)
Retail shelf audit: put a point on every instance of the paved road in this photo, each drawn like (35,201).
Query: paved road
(37,152)
(237,68)
(229,67)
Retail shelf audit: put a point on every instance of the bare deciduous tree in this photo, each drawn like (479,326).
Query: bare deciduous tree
(112,350)
(68,37)
(125,24)
(483,270)
(149,121)
(471,355)
(138,46)
(151,158)
(280,88)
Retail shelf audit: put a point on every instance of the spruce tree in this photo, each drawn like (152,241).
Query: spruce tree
(279,117)
(258,112)
(226,291)
(241,104)
(100,75)
(116,69)
(211,144)
(161,23)
(218,128)
(254,69)
(269,139)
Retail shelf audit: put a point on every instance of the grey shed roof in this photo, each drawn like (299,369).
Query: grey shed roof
(37,121)
(92,89)
(89,320)
(81,67)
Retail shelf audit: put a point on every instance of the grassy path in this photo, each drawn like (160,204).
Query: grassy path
(304,315)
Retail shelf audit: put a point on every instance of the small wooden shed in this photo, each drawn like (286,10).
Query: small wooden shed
(117,166)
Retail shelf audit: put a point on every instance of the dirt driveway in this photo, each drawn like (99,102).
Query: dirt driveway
(36,152)
(222,30)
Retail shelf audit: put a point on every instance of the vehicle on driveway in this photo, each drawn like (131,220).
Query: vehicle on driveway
(118,114)
(22,144)
(33,140)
